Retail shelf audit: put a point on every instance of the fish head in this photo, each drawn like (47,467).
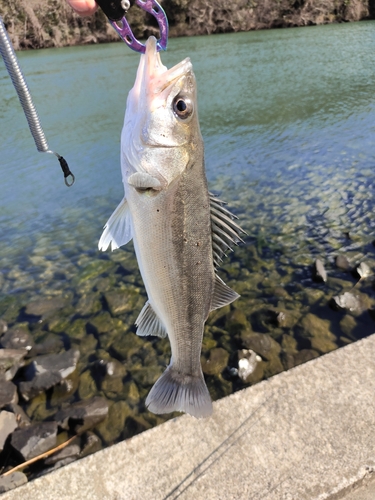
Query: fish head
(161,128)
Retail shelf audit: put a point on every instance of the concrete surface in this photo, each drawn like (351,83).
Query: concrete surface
(304,434)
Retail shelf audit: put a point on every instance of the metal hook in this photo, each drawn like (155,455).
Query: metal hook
(125,32)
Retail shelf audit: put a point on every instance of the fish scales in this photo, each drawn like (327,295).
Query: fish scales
(172,218)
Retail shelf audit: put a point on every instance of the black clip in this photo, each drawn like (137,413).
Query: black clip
(115,9)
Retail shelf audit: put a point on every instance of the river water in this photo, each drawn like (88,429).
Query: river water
(288,122)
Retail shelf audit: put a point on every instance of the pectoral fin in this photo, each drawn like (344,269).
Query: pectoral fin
(222,294)
(117,231)
(148,323)
(143,181)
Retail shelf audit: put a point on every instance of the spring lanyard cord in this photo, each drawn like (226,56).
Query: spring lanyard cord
(19,82)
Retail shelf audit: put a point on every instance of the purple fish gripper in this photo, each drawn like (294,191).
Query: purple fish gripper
(125,32)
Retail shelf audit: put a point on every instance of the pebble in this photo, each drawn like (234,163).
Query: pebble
(319,272)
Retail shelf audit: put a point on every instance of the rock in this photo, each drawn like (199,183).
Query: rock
(8,422)
(319,272)
(347,326)
(77,329)
(88,305)
(3,327)
(127,345)
(21,417)
(10,361)
(347,301)
(94,269)
(8,393)
(313,326)
(322,345)
(247,363)
(261,343)
(121,301)
(147,376)
(304,355)
(264,319)
(135,424)
(35,439)
(39,384)
(91,444)
(87,386)
(342,262)
(102,323)
(236,321)
(273,367)
(289,344)
(45,307)
(131,393)
(114,425)
(64,363)
(73,450)
(12,481)
(217,361)
(363,270)
(83,415)
(65,389)
(51,344)
(17,338)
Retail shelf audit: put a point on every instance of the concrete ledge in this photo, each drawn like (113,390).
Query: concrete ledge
(305,434)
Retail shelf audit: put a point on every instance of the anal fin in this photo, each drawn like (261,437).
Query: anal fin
(148,323)
(222,294)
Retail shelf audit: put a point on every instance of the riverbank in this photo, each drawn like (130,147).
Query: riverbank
(47,23)
(304,434)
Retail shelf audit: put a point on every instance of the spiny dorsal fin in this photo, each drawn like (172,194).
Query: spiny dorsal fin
(225,231)
(148,323)
(222,294)
(118,230)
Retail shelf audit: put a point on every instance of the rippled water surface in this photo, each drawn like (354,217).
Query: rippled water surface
(288,122)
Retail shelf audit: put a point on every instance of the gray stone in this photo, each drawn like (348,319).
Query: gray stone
(40,383)
(72,450)
(35,439)
(83,415)
(319,272)
(8,423)
(92,444)
(114,425)
(8,393)
(304,355)
(51,344)
(64,363)
(10,361)
(17,338)
(12,481)
(21,417)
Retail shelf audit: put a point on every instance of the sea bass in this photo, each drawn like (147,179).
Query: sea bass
(180,231)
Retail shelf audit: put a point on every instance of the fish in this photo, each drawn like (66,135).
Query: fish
(180,230)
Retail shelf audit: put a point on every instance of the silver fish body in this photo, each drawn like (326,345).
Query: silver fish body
(179,230)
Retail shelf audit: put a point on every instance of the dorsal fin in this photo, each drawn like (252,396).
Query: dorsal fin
(225,231)
(222,295)
(148,323)
(118,229)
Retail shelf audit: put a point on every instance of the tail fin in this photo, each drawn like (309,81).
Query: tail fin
(176,391)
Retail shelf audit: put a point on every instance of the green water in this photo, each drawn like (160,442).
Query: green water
(288,122)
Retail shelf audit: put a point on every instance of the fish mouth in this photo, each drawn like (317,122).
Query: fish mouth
(153,78)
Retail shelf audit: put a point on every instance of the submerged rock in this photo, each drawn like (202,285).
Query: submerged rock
(35,439)
(44,307)
(12,481)
(83,415)
(71,451)
(121,301)
(17,338)
(319,272)
(347,301)
(363,270)
(10,362)
(342,262)
(217,361)
(8,423)
(39,384)
(262,344)
(114,425)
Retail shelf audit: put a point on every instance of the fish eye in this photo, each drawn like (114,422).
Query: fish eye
(182,107)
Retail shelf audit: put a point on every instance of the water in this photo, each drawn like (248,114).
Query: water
(288,122)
